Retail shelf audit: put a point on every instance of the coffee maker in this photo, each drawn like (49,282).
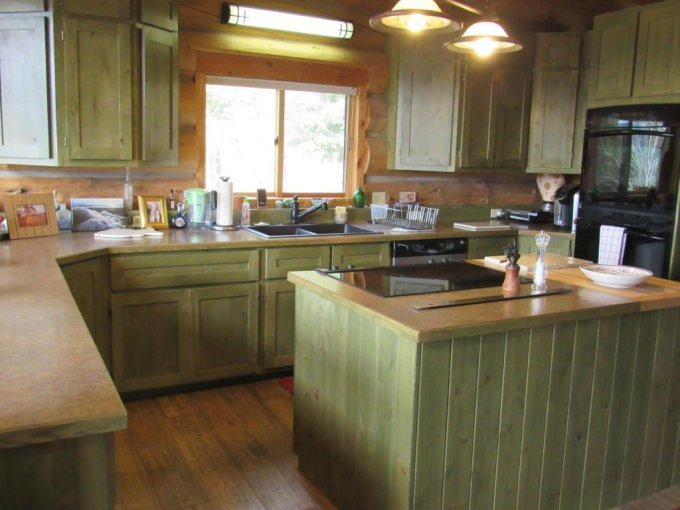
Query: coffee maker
(565,207)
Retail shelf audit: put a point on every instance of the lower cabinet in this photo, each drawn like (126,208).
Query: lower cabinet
(359,256)
(170,337)
(279,324)
(89,285)
(480,247)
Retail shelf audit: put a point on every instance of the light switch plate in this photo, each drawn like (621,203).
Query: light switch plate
(495,213)
(378,197)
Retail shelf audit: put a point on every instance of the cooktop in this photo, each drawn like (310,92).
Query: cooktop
(422,279)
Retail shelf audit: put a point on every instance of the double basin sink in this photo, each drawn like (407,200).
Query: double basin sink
(307,230)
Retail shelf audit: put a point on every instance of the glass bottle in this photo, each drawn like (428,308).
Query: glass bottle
(359,197)
(540,268)
(245,213)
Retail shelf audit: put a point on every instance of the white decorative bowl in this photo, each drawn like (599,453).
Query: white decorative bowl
(618,277)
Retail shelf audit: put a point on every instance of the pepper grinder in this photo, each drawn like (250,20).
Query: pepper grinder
(511,281)
(540,269)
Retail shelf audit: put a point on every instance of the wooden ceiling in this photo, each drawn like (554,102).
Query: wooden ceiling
(547,14)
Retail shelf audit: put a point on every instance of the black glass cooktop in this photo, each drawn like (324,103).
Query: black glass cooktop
(422,279)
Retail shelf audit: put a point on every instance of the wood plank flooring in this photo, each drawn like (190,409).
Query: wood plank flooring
(219,449)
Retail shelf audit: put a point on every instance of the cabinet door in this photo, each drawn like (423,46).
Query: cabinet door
(98,89)
(103,8)
(22,6)
(553,113)
(480,247)
(24,117)
(89,285)
(151,332)
(358,256)
(159,13)
(224,331)
(512,95)
(657,65)
(160,96)
(279,324)
(613,55)
(478,119)
(425,116)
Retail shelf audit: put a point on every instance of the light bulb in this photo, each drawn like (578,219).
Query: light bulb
(485,47)
(416,22)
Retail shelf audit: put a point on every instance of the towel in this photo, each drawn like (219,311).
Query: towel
(612,244)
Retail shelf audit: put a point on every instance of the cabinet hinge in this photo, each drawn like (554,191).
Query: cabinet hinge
(66,141)
(61,35)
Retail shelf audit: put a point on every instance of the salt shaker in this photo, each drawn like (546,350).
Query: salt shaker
(540,269)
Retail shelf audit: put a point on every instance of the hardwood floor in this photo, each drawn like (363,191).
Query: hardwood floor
(218,449)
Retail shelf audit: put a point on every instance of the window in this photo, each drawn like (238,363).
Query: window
(288,138)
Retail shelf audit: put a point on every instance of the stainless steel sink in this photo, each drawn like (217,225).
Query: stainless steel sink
(308,230)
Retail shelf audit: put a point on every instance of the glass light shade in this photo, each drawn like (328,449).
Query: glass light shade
(288,22)
(414,16)
(484,38)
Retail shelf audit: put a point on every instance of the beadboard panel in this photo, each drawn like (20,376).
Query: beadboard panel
(580,414)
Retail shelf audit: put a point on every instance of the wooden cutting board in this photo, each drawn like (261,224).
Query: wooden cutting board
(526,262)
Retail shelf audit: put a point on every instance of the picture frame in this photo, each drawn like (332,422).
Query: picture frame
(97,214)
(31,215)
(153,212)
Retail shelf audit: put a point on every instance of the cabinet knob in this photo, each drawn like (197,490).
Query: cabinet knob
(350,266)
(335,267)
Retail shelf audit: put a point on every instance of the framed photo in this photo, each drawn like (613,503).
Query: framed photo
(153,212)
(31,215)
(95,214)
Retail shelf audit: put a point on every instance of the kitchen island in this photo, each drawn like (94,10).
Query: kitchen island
(565,401)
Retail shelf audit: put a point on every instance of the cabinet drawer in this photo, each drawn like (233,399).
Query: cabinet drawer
(154,270)
(279,261)
(359,256)
(480,247)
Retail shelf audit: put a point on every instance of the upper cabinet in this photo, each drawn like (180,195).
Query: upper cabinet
(494,115)
(634,55)
(557,104)
(425,105)
(111,97)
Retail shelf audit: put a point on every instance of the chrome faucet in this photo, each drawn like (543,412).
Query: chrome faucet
(296,214)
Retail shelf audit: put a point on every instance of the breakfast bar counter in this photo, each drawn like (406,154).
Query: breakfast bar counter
(562,401)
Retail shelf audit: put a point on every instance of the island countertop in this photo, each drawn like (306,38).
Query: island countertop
(585,300)
(53,382)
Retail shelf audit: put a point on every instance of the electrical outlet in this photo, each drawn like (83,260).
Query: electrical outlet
(495,213)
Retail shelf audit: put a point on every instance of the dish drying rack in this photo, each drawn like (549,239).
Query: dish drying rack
(407,216)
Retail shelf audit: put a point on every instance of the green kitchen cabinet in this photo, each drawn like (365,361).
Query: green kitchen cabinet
(279,324)
(558,245)
(89,284)
(557,115)
(22,6)
(151,333)
(279,261)
(101,8)
(224,322)
(480,247)
(24,103)
(634,57)
(360,256)
(494,116)
(425,97)
(159,13)
(97,90)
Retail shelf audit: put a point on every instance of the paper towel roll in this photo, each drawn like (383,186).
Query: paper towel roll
(225,202)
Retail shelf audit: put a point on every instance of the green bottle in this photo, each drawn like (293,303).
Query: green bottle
(359,197)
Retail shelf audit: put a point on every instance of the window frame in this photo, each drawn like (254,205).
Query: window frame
(281,86)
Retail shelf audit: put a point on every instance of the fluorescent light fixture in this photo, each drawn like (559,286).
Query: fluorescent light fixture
(276,20)
(414,16)
(484,38)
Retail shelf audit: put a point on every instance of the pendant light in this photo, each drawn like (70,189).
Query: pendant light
(414,16)
(484,38)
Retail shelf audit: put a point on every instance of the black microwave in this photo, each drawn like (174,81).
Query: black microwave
(632,157)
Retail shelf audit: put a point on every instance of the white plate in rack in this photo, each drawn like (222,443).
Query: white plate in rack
(618,277)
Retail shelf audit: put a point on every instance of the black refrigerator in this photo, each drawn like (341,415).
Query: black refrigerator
(631,168)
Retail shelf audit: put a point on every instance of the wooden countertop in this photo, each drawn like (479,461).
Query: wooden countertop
(586,300)
(53,383)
